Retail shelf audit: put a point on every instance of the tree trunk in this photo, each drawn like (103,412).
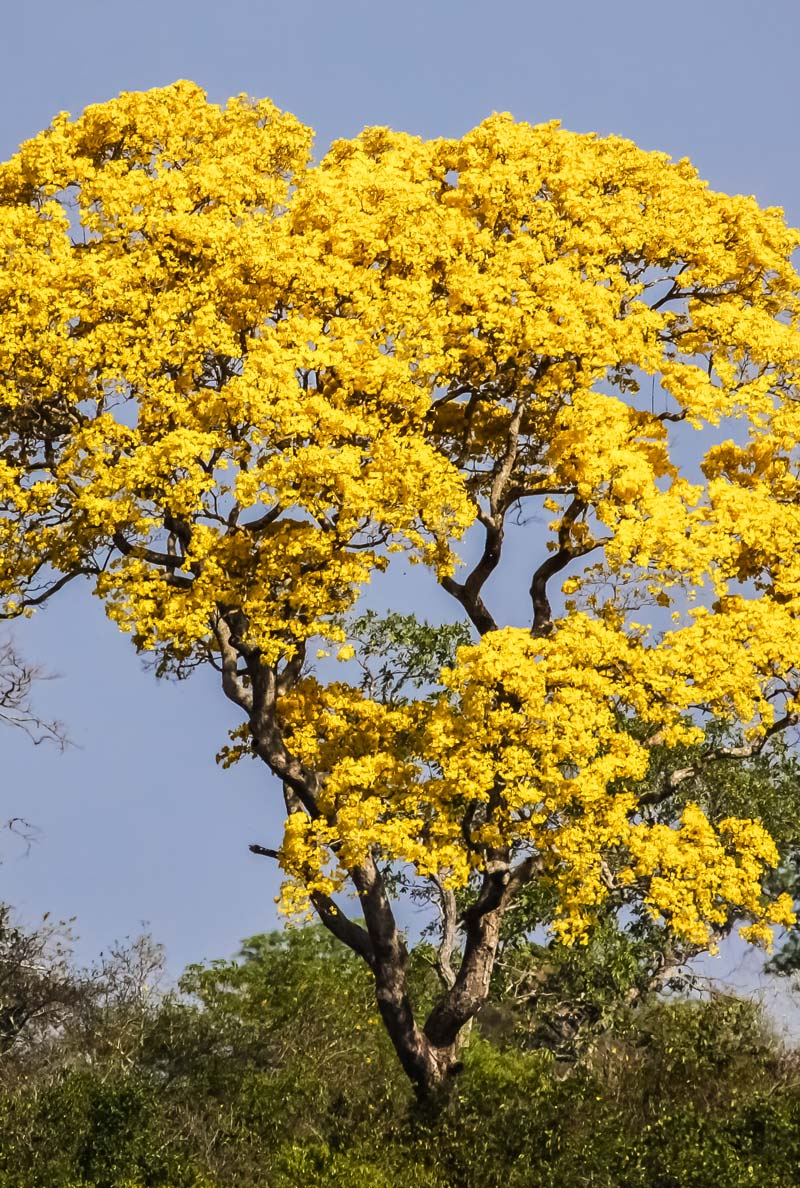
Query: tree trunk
(430,1055)
(428,1065)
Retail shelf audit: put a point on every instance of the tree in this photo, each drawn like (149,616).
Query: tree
(274,1072)
(52,1011)
(16,709)
(235,384)
(37,989)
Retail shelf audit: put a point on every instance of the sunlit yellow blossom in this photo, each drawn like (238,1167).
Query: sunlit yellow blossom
(236,385)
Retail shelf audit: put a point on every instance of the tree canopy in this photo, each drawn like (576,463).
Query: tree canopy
(236,382)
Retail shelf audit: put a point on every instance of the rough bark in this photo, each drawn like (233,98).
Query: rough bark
(430,1054)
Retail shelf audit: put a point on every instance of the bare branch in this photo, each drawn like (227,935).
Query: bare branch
(264,521)
(290,673)
(479,614)
(171,561)
(343,928)
(264,851)
(468,593)
(38,599)
(268,741)
(16,680)
(566,552)
(233,685)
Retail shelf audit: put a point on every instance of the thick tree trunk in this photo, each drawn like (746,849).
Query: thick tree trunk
(430,1055)
(427,1064)
(424,1065)
(471,988)
(389,961)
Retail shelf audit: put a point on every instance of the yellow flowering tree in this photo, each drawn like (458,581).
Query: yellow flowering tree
(236,383)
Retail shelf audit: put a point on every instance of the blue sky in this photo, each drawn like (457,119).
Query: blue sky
(136,822)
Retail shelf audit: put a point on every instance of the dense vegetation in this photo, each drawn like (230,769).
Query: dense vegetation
(271,1069)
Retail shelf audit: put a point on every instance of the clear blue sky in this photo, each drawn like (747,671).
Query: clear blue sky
(137,823)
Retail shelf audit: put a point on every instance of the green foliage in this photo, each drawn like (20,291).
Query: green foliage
(398,653)
(80,1129)
(765,784)
(266,1070)
(669,1103)
(562,998)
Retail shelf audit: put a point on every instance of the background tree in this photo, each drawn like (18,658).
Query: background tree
(17,710)
(235,384)
(36,985)
(273,1068)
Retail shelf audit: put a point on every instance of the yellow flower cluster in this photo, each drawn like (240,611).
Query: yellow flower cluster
(528,749)
(236,382)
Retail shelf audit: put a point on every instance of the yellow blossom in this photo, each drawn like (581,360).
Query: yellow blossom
(236,385)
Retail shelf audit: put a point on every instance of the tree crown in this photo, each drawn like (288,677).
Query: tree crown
(235,383)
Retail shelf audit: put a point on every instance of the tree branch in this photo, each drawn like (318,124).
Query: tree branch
(290,673)
(481,921)
(447,943)
(468,593)
(542,611)
(233,685)
(333,918)
(680,775)
(38,599)
(154,556)
(390,958)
